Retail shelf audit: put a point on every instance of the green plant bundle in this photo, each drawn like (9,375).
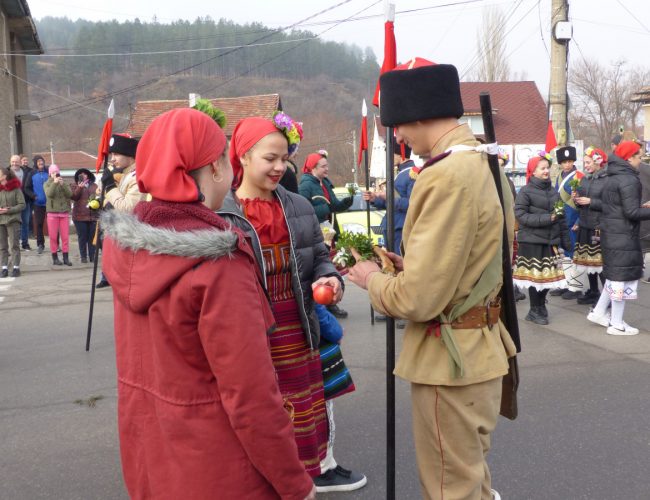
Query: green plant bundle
(360,242)
(205,106)
(558,208)
(574,183)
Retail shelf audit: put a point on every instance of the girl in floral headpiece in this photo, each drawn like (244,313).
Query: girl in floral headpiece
(587,255)
(542,231)
(293,259)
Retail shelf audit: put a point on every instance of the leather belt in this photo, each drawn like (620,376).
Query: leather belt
(478,316)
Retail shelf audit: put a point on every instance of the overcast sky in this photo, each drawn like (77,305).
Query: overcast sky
(603,29)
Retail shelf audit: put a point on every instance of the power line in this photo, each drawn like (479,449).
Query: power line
(492,41)
(284,52)
(60,109)
(633,16)
(158,52)
(76,103)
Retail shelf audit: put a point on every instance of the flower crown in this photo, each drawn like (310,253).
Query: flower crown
(547,156)
(291,129)
(322,152)
(595,155)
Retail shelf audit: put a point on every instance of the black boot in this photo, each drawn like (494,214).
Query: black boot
(66,261)
(55,259)
(536,315)
(519,295)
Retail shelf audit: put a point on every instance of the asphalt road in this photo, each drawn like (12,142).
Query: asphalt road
(583,430)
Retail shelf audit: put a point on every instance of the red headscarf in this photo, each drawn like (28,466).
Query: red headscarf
(247,133)
(627,149)
(532,166)
(176,143)
(311,161)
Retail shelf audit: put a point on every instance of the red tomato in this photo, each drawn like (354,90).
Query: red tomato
(323,294)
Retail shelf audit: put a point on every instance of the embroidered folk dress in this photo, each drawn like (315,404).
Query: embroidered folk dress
(298,367)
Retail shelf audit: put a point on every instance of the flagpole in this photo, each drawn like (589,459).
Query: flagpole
(364,140)
(104,152)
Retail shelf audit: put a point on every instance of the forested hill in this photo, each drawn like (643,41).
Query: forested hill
(218,48)
(321,83)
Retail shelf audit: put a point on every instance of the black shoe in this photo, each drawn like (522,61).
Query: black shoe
(380,317)
(543,311)
(536,316)
(556,292)
(591,298)
(84,260)
(339,479)
(66,260)
(26,246)
(40,249)
(55,259)
(15,273)
(337,311)
(569,295)
(4,273)
(519,295)
(102,284)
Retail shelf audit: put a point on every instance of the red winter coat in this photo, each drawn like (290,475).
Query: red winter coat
(199,411)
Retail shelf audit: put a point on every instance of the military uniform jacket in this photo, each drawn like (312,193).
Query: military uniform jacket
(453,229)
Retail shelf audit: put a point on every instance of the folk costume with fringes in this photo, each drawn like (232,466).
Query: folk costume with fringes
(539,237)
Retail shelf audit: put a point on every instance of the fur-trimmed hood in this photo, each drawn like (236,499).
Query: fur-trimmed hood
(147,252)
(132,234)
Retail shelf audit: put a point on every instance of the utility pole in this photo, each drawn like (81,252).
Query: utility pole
(561,31)
(52,151)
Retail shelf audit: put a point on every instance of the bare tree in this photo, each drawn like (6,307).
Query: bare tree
(601,100)
(491,48)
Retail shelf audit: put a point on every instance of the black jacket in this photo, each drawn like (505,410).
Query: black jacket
(533,209)
(310,187)
(592,186)
(644,175)
(620,220)
(309,256)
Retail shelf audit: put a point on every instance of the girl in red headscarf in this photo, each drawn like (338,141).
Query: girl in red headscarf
(289,244)
(200,413)
(542,231)
(587,256)
(620,241)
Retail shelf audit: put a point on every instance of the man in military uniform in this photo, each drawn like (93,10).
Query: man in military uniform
(455,349)
(120,186)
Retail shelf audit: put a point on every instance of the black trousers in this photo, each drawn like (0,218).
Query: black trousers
(537,297)
(85,234)
(39,217)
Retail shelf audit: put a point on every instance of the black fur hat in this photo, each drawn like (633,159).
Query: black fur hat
(566,153)
(428,91)
(123,144)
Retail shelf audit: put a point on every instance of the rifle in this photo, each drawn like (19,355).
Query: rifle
(507,293)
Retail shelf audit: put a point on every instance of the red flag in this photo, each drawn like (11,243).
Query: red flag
(363,142)
(390,55)
(551,142)
(102,150)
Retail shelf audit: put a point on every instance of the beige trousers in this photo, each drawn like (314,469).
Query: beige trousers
(451,430)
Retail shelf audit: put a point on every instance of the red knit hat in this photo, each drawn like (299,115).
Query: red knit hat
(177,142)
(627,149)
(247,133)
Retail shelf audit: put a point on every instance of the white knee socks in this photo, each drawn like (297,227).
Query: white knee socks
(603,303)
(618,307)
